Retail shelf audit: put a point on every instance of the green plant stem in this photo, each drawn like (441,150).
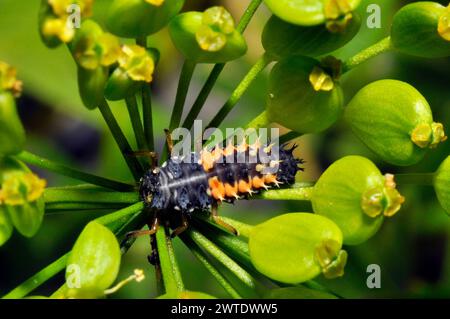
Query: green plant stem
(64,195)
(183,86)
(415,179)
(217,69)
(289,137)
(366,54)
(148,116)
(117,219)
(61,208)
(173,282)
(298,192)
(259,121)
(201,256)
(41,162)
(135,119)
(221,257)
(243,228)
(237,94)
(122,143)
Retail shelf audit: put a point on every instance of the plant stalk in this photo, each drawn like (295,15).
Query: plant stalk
(366,54)
(135,119)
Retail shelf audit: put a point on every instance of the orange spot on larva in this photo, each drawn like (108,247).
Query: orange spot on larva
(258,182)
(217,188)
(231,190)
(270,179)
(244,187)
(207,160)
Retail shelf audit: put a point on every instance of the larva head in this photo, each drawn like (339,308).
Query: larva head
(149,184)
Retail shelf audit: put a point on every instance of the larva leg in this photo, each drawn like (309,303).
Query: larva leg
(169,141)
(220,221)
(152,156)
(180,229)
(147,232)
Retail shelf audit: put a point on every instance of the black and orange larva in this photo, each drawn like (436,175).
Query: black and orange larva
(179,188)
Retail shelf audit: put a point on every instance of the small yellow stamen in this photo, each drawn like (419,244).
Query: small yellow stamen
(320,80)
(338,15)
(8,79)
(155,2)
(331,258)
(137,63)
(59,28)
(19,188)
(444,24)
(138,276)
(428,135)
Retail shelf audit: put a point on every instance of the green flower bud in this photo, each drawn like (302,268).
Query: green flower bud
(356,196)
(336,13)
(207,37)
(55,25)
(136,66)
(296,247)
(91,85)
(12,133)
(8,79)
(93,263)
(298,292)
(21,196)
(137,18)
(442,184)
(304,95)
(422,29)
(395,121)
(281,39)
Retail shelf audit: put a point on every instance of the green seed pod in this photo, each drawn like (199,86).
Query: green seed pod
(297,293)
(94,262)
(422,29)
(356,196)
(12,133)
(136,66)
(138,18)
(296,247)
(442,184)
(313,12)
(207,37)
(91,85)
(281,39)
(303,96)
(395,121)
(21,196)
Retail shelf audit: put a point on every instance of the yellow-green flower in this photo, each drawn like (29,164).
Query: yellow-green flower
(19,188)
(137,63)
(95,52)
(8,79)
(217,23)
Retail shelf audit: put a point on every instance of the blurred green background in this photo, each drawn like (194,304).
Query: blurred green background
(413,248)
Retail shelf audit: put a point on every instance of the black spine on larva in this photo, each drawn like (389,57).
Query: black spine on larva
(289,165)
(176,185)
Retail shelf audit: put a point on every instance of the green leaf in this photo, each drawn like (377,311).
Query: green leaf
(296,247)
(294,102)
(422,29)
(94,262)
(442,184)
(394,120)
(297,293)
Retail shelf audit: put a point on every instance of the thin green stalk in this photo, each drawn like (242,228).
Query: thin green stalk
(118,218)
(260,121)
(122,143)
(218,68)
(63,195)
(173,282)
(41,162)
(366,54)
(298,192)
(201,256)
(243,228)
(148,116)
(415,179)
(289,137)
(221,257)
(183,86)
(237,94)
(62,208)
(135,119)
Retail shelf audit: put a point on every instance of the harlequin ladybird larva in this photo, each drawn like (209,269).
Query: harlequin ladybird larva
(182,186)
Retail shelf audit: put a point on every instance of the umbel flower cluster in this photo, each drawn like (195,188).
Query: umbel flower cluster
(281,257)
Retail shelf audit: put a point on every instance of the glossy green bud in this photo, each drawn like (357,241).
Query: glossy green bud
(136,66)
(356,196)
(422,29)
(303,95)
(296,247)
(21,196)
(395,121)
(138,18)
(94,262)
(12,133)
(298,292)
(91,85)
(207,37)
(281,39)
(314,12)
(442,184)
